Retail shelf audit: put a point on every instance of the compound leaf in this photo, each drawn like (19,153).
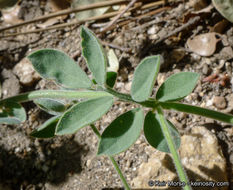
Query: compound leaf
(47,129)
(144,78)
(54,64)
(82,114)
(154,135)
(94,55)
(121,133)
(177,86)
(12,113)
(51,106)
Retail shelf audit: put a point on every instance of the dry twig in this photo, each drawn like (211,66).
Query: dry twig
(119,15)
(100,17)
(66,12)
(108,15)
(177,30)
(116,46)
(154,12)
(95,18)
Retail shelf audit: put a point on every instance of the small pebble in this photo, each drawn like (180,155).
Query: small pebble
(151,30)
(160,78)
(205,69)
(201,94)
(209,102)
(17,150)
(208,61)
(26,73)
(88,163)
(219,102)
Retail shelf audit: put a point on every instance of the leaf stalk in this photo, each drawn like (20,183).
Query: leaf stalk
(180,170)
(114,163)
(56,94)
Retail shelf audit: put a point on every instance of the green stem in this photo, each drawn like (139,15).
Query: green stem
(171,145)
(96,131)
(126,185)
(198,111)
(72,94)
(67,94)
(121,96)
(151,103)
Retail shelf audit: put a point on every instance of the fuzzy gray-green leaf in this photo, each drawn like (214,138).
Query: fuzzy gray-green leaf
(51,106)
(56,65)
(12,113)
(47,129)
(225,8)
(154,135)
(177,86)
(83,114)
(94,55)
(144,78)
(121,133)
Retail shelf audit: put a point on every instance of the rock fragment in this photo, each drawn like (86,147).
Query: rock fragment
(26,73)
(10,86)
(219,102)
(200,155)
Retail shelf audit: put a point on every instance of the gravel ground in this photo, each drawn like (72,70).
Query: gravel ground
(70,162)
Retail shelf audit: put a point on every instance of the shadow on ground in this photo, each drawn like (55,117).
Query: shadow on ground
(42,164)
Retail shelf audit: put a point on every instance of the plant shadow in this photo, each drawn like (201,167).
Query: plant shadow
(215,173)
(48,162)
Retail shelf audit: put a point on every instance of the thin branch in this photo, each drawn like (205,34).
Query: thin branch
(66,12)
(116,46)
(143,7)
(111,25)
(179,29)
(100,17)
(119,15)
(151,13)
(154,4)
(108,15)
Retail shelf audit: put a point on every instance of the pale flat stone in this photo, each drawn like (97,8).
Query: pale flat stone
(200,154)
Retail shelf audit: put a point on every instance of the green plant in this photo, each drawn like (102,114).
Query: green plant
(98,98)
(225,8)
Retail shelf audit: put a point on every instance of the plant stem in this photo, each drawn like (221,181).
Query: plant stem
(121,96)
(151,103)
(171,145)
(66,94)
(66,12)
(198,111)
(126,185)
(95,130)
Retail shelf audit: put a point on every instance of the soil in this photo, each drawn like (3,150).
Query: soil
(70,162)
